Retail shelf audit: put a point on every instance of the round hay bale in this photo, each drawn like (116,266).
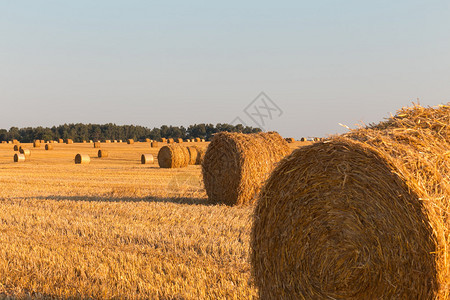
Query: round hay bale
(108,141)
(16,148)
(97,145)
(48,147)
(163,140)
(15,142)
(193,154)
(173,156)
(19,157)
(61,141)
(179,140)
(203,140)
(25,152)
(130,141)
(197,140)
(37,144)
(290,140)
(146,159)
(154,145)
(148,140)
(82,159)
(361,216)
(170,141)
(103,153)
(235,165)
(303,139)
(69,141)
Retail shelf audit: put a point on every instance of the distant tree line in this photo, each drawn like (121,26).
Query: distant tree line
(79,132)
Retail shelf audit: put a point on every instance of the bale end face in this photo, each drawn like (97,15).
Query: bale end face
(102,153)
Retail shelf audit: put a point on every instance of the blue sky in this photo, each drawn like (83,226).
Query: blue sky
(183,62)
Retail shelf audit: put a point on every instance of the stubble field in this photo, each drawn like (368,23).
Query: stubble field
(116,228)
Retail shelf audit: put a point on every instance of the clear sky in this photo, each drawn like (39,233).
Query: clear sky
(183,62)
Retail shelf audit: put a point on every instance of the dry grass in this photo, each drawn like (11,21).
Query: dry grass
(116,229)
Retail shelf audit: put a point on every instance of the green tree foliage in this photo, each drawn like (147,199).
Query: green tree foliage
(79,132)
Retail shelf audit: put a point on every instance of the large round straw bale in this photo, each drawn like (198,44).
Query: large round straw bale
(108,141)
(361,216)
(60,141)
(82,159)
(102,153)
(197,140)
(303,139)
(18,157)
(69,141)
(146,159)
(48,147)
(15,142)
(147,140)
(130,141)
(37,144)
(25,152)
(97,145)
(203,140)
(16,147)
(163,140)
(173,156)
(170,141)
(236,165)
(154,145)
(179,140)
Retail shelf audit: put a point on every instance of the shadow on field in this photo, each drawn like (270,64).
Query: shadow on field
(177,200)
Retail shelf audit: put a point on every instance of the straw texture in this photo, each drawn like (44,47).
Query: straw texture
(360,216)
(173,156)
(235,165)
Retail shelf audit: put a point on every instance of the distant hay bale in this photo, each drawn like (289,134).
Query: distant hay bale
(91,141)
(4,142)
(115,141)
(193,153)
(48,147)
(147,140)
(37,144)
(173,156)
(97,145)
(61,141)
(102,153)
(203,140)
(16,142)
(69,141)
(147,159)
(235,165)
(197,140)
(130,141)
(16,147)
(170,141)
(290,140)
(303,139)
(18,157)
(154,145)
(82,159)
(108,141)
(25,152)
(163,140)
(84,142)
(361,216)
(179,140)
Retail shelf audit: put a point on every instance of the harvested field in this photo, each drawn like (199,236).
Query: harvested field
(116,228)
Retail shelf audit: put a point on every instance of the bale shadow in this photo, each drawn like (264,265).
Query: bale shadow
(176,200)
